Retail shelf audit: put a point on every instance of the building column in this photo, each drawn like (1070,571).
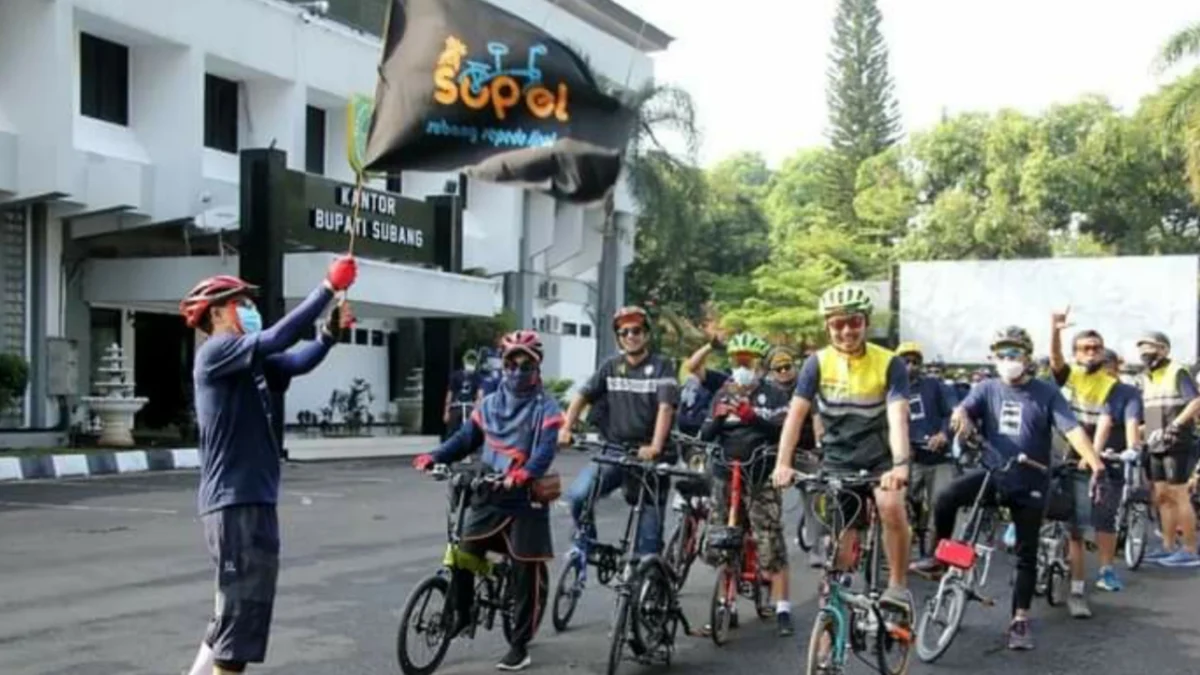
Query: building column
(14,255)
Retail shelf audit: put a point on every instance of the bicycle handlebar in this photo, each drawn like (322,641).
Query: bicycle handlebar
(839,480)
(465,478)
(661,468)
(584,445)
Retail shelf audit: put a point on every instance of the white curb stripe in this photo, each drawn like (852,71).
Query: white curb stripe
(10,468)
(131,462)
(70,465)
(186,459)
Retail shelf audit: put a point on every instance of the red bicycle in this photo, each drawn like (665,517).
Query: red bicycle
(738,572)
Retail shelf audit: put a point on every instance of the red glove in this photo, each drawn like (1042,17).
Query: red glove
(342,273)
(745,411)
(519,477)
(422,462)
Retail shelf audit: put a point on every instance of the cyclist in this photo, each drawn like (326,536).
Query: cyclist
(1086,386)
(490,376)
(748,413)
(236,369)
(1016,413)
(700,385)
(464,391)
(1171,404)
(1125,408)
(929,406)
(782,372)
(516,426)
(637,391)
(861,392)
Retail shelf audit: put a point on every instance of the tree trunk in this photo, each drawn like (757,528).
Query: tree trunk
(606,341)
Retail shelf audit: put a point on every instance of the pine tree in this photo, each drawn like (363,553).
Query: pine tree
(864,117)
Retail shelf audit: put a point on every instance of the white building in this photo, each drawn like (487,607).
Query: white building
(121,120)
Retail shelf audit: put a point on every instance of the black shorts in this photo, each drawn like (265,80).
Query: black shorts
(244,543)
(853,501)
(1172,466)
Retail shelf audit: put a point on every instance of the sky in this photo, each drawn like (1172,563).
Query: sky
(756,68)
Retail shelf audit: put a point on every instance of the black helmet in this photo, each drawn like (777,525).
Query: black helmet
(1013,336)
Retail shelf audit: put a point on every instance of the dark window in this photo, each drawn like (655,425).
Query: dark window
(346,337)
(103,79)
(569,328)
(220,114)
(395,184)
(314,140)
(361,336)
(376,338)
(585,330)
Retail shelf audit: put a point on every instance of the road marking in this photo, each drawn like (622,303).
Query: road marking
(80,507)
(374,480)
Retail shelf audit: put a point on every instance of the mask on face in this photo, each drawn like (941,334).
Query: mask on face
(520,382)
(743,376)
(1010,370)
(250,319)
(1152,360)
(469,367)
(494,364)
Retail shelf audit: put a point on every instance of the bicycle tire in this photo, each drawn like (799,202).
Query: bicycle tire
(886,643)
(652,580)
(1057,586)
(956,602)
(565,592)
(677,557)
(824,625)
(616,646)
(720,621)
(1137,521)
(802,538)
(427,586)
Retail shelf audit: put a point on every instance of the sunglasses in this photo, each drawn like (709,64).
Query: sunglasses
(1009,353)
(744,360)
(912,361)
(635,331)
(853,322)
(784,369)
(520,366)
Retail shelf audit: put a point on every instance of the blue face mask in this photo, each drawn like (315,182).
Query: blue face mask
(520,381)
(250,319)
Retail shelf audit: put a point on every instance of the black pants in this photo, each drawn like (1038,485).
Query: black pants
(1026,517)
(529,590)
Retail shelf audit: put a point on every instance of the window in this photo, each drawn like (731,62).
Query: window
(585,330)
(376,338)
(220,114)
(103,79)
(569,328)
(314,140)
(395,184)
(361,336)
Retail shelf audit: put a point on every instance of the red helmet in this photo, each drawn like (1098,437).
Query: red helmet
(526,341)
(625,314)
(212,290)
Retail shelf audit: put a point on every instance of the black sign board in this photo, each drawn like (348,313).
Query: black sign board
(389,227)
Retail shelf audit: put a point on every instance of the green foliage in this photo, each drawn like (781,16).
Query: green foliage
(484,332)
(14,378)
(558,388)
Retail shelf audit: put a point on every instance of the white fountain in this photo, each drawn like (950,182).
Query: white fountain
(116,405)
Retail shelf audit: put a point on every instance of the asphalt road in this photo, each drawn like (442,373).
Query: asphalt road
(108,576)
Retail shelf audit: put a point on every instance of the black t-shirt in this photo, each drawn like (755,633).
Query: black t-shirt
(463,386)
(739,439)
(630,396)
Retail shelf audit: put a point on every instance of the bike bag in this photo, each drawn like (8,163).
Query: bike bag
(955,554)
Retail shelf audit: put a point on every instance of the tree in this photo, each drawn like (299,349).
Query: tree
(864,117)
(1179,107)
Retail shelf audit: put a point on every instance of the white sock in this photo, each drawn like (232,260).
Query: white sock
(204,661)
(783,607)
(1077,587)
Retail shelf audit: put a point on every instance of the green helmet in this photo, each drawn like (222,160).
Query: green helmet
(747,343)
(846,299)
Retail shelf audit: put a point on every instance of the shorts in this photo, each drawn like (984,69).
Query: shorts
(853,502)
(1172,466)
(1094,515)
(765,510)
(244,543)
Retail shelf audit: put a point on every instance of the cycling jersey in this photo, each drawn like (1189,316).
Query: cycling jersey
(631,395)
(1166,391)
(851,394)
(1086,392)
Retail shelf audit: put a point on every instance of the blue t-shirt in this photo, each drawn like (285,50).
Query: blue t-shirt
(1018,419)
(929,406)
(239,455)
(695,400)
(1124,404)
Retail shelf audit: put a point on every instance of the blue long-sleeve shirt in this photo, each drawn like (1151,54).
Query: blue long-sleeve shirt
(930,404)
(535,458)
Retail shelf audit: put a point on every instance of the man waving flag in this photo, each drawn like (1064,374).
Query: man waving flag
(466,86)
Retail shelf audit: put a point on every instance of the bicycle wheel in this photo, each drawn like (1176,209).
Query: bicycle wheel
(892,648)
(566,593)
(803,539)
(616,647)
(1137,530)
(426,613)
(652,607)
(821,657)
(724,598)
(1057,586)
(935,629)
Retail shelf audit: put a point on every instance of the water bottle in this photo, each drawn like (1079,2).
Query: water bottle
(1010,536)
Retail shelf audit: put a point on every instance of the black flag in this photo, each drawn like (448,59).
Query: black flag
(466,86)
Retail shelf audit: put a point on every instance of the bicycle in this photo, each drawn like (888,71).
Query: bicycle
(964,577)
(493,582)
(1053,571)
(1133,513)
(805,539)
(691,530)
(648,614)
(572,580)
(738,572)
(848,619)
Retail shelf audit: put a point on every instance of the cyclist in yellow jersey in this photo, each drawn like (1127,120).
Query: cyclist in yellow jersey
(1087,386)
(861,394)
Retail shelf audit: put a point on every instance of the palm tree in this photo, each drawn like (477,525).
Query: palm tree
(1179,106)
(660,109)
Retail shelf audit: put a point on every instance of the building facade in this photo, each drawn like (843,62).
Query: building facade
(121,126)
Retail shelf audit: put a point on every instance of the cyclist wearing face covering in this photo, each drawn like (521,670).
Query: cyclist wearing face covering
(861,394)
(1087,387)
(517,427)
(1016,413)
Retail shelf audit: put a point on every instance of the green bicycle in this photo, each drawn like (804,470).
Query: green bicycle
(852,622)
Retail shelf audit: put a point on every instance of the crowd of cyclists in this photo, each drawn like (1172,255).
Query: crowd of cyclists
(850,409)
